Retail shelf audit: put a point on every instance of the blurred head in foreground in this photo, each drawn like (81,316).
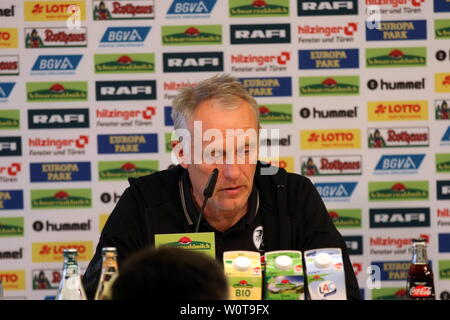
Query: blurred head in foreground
(170,273)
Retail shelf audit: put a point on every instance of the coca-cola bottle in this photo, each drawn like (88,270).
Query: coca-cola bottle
(420,284)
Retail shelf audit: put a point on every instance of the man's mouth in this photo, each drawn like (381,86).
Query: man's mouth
(232,190)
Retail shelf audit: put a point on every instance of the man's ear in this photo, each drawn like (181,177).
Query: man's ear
(178,152)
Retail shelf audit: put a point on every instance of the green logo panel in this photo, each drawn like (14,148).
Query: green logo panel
(57,91)
(443,162)
(191,35)
(398,191)
(346,218)
(258,8)
(396,57)
(12,227)
(122,170)
(442,29)
(275,113)
(61,198)
(329,86)
(125,63)
(9,119)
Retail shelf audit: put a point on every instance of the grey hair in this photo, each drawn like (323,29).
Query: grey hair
(225,89)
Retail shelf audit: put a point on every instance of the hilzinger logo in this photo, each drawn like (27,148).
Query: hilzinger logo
(124,118)
(262,63)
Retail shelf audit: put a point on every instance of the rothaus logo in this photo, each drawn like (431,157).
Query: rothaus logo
(336,191)
(399,218)
(56,64)
(193,62)
(125,90)
(319,113)
(10,146)
(49,226)
(400,163)
(381,84)
(260,33)
(191,8)
(58,118)
(136,35)
(323,7)
(9,65)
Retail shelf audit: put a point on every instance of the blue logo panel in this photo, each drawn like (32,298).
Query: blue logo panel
(328,59)
(168,121)
(127,143)
(125,34)
(398,30)
(268,87)
(57,63)
(191,7)
(444,242)
(60,171)
(11,199)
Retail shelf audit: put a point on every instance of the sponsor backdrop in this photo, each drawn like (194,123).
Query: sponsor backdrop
(359,89)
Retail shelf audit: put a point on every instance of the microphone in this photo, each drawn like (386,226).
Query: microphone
(207,193)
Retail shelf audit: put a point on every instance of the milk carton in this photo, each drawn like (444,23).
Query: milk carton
(243,270)
(325,274)
(284,275)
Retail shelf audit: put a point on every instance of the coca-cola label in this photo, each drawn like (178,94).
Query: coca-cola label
(420,291)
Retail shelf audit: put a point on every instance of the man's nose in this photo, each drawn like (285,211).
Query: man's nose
(231,171)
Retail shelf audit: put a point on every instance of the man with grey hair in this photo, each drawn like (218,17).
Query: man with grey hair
(254,206)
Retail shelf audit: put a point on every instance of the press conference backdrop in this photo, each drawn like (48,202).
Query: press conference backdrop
(85,101)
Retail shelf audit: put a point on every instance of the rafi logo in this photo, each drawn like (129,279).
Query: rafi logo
(326,8)
(393,270)
(46,279)
(442,162)
(397,110)
(58,118)
(445,140)
(336,191)
(12,279)
(260,33)
(442,82)
(398,191)
(399,164)
(398,30)
(330,139)
(125,117)
(444,269)
(11,199)
(54,10)
(275,113)
(49,226)
(9,173)
(441,6)
(260,63)
(125,90)
(331,165)
(60,171)
(53,37)
(61,199)
(193,62)
(442,109)
(346,218)
(124,36)
(123,9)
(10,146)
(399,218)
(322,112)
(258,8)
(328,59)
(396,57)
(56,64)
(9,38)
(268,87)
(191,35)
(70,145)
(9,119)
(5,90)
(127,143)
(354,244)
(330,33)
(329,86)
(191,8)
(122,170)
(9,65)
(443,189)
(53,251)
(11,227)
(57,91)
(444,242)
(398,137)
(124,63)
(441,29)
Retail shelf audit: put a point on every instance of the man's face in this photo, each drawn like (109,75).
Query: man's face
(235,179)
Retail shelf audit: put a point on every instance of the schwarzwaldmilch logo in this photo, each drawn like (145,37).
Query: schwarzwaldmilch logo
(120,170)
(61,199)
(188,243)
(191,35)
(442,29)
(124,63)
(56,91)
(346,218)
(275,113)
(398,191)
(396,57)
(337,85)
(9,119)
(258,8)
